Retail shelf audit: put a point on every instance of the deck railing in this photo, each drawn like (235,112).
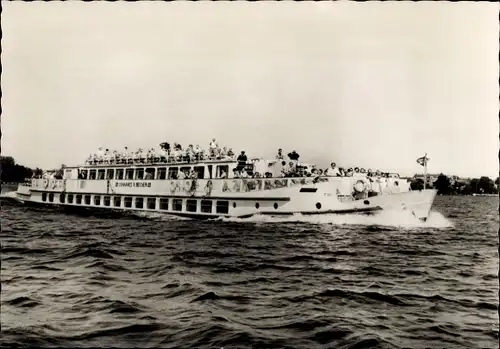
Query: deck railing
(258,184)
(198,187)
(171,159)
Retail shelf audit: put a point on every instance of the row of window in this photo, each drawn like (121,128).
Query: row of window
(150,172)
(191,205)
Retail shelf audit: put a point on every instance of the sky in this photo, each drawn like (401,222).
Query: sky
(373,84)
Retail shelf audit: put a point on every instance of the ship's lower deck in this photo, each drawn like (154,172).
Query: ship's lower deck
(195,207)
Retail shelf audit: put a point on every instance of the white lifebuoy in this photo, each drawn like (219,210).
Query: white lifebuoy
(45,183)
(360,186)
(54,184)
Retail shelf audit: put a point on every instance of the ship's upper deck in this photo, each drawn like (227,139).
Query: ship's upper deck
(203,168)
(146,163)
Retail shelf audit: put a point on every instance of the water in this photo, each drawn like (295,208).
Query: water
(301,282)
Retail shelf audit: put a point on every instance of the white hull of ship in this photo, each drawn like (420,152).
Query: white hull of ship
(307,199)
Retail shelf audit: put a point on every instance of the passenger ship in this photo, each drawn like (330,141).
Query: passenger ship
(151,187)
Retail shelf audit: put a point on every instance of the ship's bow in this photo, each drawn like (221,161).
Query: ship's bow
(419,203)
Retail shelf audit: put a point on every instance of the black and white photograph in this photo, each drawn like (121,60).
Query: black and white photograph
(249,174)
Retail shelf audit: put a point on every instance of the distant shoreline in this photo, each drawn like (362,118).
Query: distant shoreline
(468,194)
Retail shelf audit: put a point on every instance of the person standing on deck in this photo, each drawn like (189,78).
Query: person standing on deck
(377,187)
(100,155)
(162,154)
(291,169)
(197,153)
(126,155)
(214,146)
(293,155)
(190,153)
(115,157)
(242,161)
(333,171)
(223,153)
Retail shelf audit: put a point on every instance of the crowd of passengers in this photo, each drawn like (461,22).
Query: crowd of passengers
(294,169)
(334,171)
(166,153)
(290,168)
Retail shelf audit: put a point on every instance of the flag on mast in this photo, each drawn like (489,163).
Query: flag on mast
(423,160)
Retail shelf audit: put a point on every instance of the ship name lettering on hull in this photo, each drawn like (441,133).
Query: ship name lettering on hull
(134,184)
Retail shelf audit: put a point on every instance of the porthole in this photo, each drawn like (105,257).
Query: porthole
(275,206)
(234,204)
(257,205)
(318,205)
(366,202)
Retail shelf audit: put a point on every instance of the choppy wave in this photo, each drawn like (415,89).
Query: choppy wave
(332,281)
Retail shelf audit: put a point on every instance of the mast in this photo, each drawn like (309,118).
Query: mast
(425,170)
(423,162)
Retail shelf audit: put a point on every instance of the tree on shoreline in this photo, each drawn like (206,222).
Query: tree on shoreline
(446,186)
(443,184)
(12,172)
(486,185)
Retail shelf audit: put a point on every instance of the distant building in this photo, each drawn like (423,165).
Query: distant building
(462,181)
